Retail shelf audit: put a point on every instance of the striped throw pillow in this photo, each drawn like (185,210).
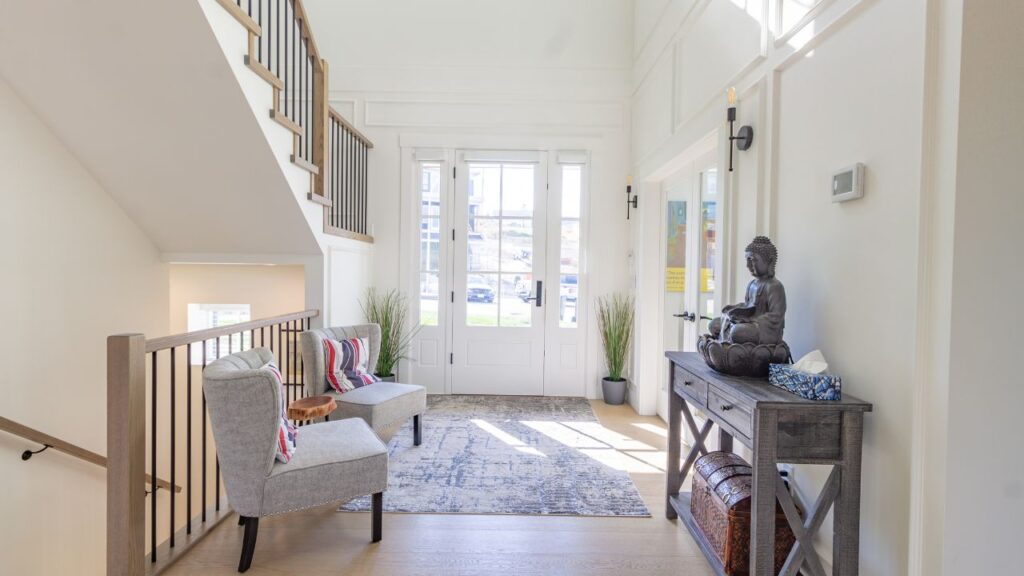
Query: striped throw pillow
(345,364)
(287,435)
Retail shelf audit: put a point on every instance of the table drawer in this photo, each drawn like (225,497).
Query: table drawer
(693,387)
(729,409)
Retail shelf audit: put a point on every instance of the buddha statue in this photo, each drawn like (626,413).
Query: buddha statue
(748,336)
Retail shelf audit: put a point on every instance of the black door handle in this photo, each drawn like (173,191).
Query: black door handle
(688,316)
(538,297)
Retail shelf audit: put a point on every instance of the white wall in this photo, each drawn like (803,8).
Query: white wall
(983,526)
(840,82)
(461,73)
(75,270)
(268,290)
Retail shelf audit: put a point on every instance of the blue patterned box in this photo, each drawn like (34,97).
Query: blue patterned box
(810,386)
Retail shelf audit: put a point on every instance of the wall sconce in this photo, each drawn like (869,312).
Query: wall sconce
(631,199)
(742,139)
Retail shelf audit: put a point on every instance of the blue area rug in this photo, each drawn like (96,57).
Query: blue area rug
(506,455)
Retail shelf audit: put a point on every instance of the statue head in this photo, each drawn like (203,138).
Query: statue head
(761,256)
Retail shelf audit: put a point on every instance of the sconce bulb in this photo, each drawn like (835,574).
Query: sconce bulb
(629,180)
(731,95)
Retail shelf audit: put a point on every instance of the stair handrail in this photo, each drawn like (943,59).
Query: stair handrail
(33,435)
(176,340)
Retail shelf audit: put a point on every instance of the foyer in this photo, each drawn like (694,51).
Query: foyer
(187,181)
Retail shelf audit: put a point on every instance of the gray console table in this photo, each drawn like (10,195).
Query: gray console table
(778,427)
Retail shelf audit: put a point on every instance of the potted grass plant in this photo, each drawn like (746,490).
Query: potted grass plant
(389,310)
(615,322)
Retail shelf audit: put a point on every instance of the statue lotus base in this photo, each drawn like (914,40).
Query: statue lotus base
(742,359)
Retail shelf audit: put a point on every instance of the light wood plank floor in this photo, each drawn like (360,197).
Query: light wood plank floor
(322,541)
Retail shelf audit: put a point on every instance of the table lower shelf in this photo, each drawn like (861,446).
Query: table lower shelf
(681,504)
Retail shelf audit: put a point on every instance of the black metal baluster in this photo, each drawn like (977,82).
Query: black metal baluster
(152,463)
(293,24)
(250,8)
(216,457)
(307,129)
(333,154)
(352,182)
(355,183)
(336,153)
(366,192)
(359,208)
(353,207)
(366,163)
(345,187)
(302,375)
(188,440)
(277,52)
(263,32)
(339,191)
(203,506)
(302,93)
(310,103)
(360,224)
(285,348)
(295,354)
(171,491)
(346,174)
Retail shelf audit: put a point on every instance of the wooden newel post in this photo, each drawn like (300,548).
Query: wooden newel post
(126,454)
(321,122)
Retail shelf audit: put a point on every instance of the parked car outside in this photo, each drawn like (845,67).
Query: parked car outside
(479,293)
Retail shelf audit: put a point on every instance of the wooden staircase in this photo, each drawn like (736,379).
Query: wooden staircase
(283,52)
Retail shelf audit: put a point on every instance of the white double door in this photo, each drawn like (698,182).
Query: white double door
(511,269)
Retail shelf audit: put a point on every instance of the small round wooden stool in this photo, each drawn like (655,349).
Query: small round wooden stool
(312,408)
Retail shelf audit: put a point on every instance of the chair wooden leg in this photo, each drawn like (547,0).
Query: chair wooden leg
(417,430)
(248,543)
(378,516)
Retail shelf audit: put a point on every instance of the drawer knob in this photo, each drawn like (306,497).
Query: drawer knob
(726,407)
(687,383)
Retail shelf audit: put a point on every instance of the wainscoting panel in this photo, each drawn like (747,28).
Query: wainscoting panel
(518,114)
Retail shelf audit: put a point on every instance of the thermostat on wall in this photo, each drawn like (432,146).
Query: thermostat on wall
(848,183)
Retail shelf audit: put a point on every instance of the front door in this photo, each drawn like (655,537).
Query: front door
(500,292)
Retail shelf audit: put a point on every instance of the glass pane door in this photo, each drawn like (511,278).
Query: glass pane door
(498,335)
(707,301)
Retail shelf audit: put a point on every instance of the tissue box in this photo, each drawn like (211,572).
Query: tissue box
(810,386)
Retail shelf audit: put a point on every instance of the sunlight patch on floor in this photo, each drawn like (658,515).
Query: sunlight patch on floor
(611,448)
(655,459)
(612,438)
(507,438)
(652,428)
(564,435)
(620,461)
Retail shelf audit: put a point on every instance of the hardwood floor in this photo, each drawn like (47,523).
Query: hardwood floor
(323,541)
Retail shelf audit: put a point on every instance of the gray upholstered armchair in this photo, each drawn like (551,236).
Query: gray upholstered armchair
(334,461)
(385,406)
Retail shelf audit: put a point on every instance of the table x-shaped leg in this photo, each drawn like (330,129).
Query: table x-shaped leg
(675,476)
(803,553)
(699,436)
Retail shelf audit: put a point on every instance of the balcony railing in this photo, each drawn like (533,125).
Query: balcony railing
(347,183)
(157,423)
